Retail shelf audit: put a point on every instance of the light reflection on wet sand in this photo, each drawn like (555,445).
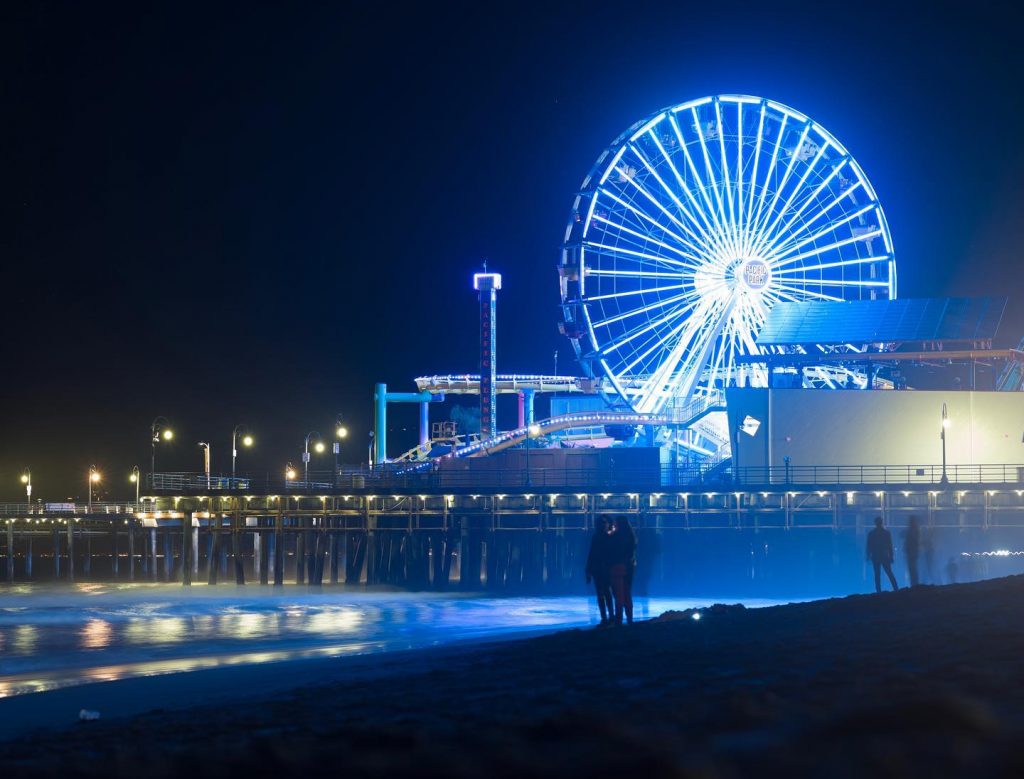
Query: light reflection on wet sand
(54,637)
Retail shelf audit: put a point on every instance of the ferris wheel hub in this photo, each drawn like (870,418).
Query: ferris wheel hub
(753,274)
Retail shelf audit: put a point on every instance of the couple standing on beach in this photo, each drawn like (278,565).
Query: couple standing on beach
(610,564)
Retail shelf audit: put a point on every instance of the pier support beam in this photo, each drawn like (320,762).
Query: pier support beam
(10,550)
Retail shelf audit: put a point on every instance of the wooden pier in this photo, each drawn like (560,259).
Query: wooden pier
(500,541)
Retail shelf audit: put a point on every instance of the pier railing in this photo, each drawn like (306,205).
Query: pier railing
(399,476)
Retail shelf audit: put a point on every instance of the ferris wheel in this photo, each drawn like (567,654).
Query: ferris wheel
(693,224)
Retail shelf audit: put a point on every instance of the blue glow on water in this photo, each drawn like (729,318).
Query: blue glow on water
(56,637)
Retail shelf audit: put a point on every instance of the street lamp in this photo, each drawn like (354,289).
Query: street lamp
(942,435)
(26,479)
(134,479)
(340,433)
(160,430)
(318,447)
(206,461)
(94,477)
(532,431)
(247,441)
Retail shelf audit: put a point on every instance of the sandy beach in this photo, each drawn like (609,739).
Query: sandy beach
(921,682)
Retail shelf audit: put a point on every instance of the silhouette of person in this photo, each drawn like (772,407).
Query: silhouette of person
(880,554)
(623,564)
(912,548)
(599,568)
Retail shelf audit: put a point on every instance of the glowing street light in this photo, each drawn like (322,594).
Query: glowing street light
(247,441)
(942,435)
(136,480)
(532,431)
(94,478)
(160,430)
(340,433)
(206,461)
(318,448)
(26,479)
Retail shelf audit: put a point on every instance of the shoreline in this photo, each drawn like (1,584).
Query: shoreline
(928,681)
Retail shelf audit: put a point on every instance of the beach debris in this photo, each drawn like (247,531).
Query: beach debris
(697,614)
(87,715)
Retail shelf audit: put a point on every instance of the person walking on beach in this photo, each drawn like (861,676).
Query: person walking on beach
(623,562)
(599,568)
(912,548)
(880,554)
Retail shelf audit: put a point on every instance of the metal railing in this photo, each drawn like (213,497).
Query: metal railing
(68,508)
(434,477)
(826,475)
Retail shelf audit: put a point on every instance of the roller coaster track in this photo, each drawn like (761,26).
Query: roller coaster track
(683,417)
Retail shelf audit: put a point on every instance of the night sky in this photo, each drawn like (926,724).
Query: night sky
(234,213)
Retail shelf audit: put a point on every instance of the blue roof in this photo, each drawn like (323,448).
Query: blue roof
(882,321)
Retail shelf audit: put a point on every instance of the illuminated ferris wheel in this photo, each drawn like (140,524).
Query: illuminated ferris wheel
(693,224)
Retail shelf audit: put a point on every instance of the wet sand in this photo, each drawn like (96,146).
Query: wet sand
(923,682)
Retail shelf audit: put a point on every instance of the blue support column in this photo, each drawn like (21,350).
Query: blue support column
(528,398)
(380,418)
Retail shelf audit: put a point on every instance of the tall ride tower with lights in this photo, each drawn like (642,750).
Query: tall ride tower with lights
(487,286)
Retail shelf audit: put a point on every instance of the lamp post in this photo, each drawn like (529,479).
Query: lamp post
(340,434)
(532,431)
(26,479)
(94,477)
(134,479)
(160,430)
(318,446)
(206,461)
(247,440)
(942,435)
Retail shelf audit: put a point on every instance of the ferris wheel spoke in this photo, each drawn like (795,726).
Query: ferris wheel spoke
(822,249)
(792,245)
(705,228)
(752,185)
(642,311)
(739,173)
(632,274)
(672,195)
(797,294)
(794,155)
(695,260)
(712,178)
(719,227)
(840,282)
(768,234)
(657,345)
(671,217)
(645,327)
(635,256)
(762,199)
(680,380)
(632,292)
(785,232)
(727,184)
(826,265)
(701,252)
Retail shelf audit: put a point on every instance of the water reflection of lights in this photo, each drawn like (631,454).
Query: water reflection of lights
(51,680)
(160,630)
(96,634)
(25,638)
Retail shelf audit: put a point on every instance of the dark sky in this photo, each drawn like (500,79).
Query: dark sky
(230,213)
